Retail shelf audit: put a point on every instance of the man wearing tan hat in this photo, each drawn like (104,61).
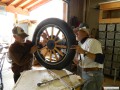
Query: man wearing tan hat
(91,58)
(21,53)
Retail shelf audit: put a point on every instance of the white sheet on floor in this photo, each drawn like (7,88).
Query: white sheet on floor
(29,80)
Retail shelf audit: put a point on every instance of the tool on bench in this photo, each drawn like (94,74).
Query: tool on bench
(43,83)
(61,79)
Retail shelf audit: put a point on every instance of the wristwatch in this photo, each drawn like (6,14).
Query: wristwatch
(85,53)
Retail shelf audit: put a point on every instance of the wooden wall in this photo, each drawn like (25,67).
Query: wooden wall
(76,9)
(92,13)
(91,9)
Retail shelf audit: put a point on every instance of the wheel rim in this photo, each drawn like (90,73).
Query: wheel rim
(56,47)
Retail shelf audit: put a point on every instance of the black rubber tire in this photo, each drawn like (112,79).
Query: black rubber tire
(69,35)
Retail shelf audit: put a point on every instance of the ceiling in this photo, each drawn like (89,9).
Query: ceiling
(22,6)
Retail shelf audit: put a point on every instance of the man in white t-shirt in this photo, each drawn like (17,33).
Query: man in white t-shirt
(91,60)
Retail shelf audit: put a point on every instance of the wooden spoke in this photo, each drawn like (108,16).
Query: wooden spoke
(52,33)
(58,41)
(50,55)
(59,51)
(61,46)
(43,48)
(46,52)
(55,55)
(57,34)
(47,33)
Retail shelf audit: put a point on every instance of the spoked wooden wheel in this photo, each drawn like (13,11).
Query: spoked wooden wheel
(53,48)
(56,38)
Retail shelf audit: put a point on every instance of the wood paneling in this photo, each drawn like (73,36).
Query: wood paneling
(11,1)
(18,4)
(22,6)
(110,20)
(18,10)
(76,9)
(38,4)
(28,4)
(110,6)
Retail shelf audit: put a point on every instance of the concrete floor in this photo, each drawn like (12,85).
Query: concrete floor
(7,76)
(9,83)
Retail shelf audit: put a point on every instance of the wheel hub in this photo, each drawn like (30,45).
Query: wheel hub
(51,44)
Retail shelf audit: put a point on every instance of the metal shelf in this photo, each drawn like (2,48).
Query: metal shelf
(110,42)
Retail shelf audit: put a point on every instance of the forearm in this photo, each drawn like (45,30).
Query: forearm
(85,53)
(90,55)
(99,58)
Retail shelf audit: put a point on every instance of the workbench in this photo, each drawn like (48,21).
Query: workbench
(48,80)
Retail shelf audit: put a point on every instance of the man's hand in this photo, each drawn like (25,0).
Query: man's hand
(78,49)
(44,35)
(33,49)
(75,30)
(76,61)
(45,39)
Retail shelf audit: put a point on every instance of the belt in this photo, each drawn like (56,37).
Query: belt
(92,69)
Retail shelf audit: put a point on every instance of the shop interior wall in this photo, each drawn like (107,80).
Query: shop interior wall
(76,9)
(88,9)
(6,25)
(92,17)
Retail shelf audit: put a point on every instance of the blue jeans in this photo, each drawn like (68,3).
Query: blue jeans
(93,79)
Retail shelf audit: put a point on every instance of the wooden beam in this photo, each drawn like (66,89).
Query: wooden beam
(110,20)
(28,21)
(11,1)
(38,4)
(33,1)
(100,14)
(65,11)
(12,9)
(110,6)
(15,18)
(19,3)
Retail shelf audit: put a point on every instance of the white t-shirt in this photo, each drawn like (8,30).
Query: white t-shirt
(93,46)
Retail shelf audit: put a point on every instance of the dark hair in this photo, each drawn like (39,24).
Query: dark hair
(74,22)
